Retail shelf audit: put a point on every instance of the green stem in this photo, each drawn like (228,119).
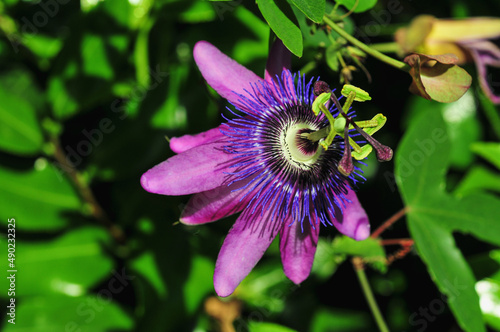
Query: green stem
(365,286)
(392,47)
(367,49)
(86,193)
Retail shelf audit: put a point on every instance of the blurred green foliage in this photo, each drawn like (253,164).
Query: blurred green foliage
(88,92)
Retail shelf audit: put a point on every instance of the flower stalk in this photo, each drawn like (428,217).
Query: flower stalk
(370,298)
(374,53)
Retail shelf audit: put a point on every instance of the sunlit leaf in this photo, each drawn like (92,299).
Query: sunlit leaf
(39,198)
(489,151)
(462,125)
(433,215)
(284,28)
(313,9)
(20,133)
(146,265)
(199,284)
(67,265)
(339,320)
(268,327)
(88,313)
(370,250)
(478,178)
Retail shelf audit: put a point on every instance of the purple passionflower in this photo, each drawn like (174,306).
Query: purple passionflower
(259,164)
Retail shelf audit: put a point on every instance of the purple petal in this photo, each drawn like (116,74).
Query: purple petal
(298,249)
(216,204)
(278,60)
(186,142)
(485,53)
(199,169)
(353,222)
(223,74)
(243,247)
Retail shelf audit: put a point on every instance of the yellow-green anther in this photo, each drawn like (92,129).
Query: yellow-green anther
(380,119)
(360,94)
(320,101)
(365,151)
(355,146)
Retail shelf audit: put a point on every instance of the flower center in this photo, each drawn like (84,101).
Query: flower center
(299,151)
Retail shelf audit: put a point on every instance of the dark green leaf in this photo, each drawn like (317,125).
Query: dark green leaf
(282,26)
(325,260)
(145,264)
(68,265)
(433,214)
(37,199)
(314,9)
(339,320)
(477,179)
(358,5)
(20,132)
(462,125)
(89,313)
(198,286)
(370,250)
(268,327)
(489,151)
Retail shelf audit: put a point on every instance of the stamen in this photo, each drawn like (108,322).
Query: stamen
(341,125)
(346,166)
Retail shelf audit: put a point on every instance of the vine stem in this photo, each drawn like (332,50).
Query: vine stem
(86,193)
(367,49)
(357,262)
(398,215)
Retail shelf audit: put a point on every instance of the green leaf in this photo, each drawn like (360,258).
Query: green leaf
(199,283)
(95,59)
(433,214)
(38,198)
(268,327)
(145,264)
(462,125)
(463,128)
(339,320)
(314,9)
(325,260)
(489,151)
(478,179)
(67,265)
(282,26)
(90,313)
(361,5)
(20,132)
(370,250)
(266,287)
